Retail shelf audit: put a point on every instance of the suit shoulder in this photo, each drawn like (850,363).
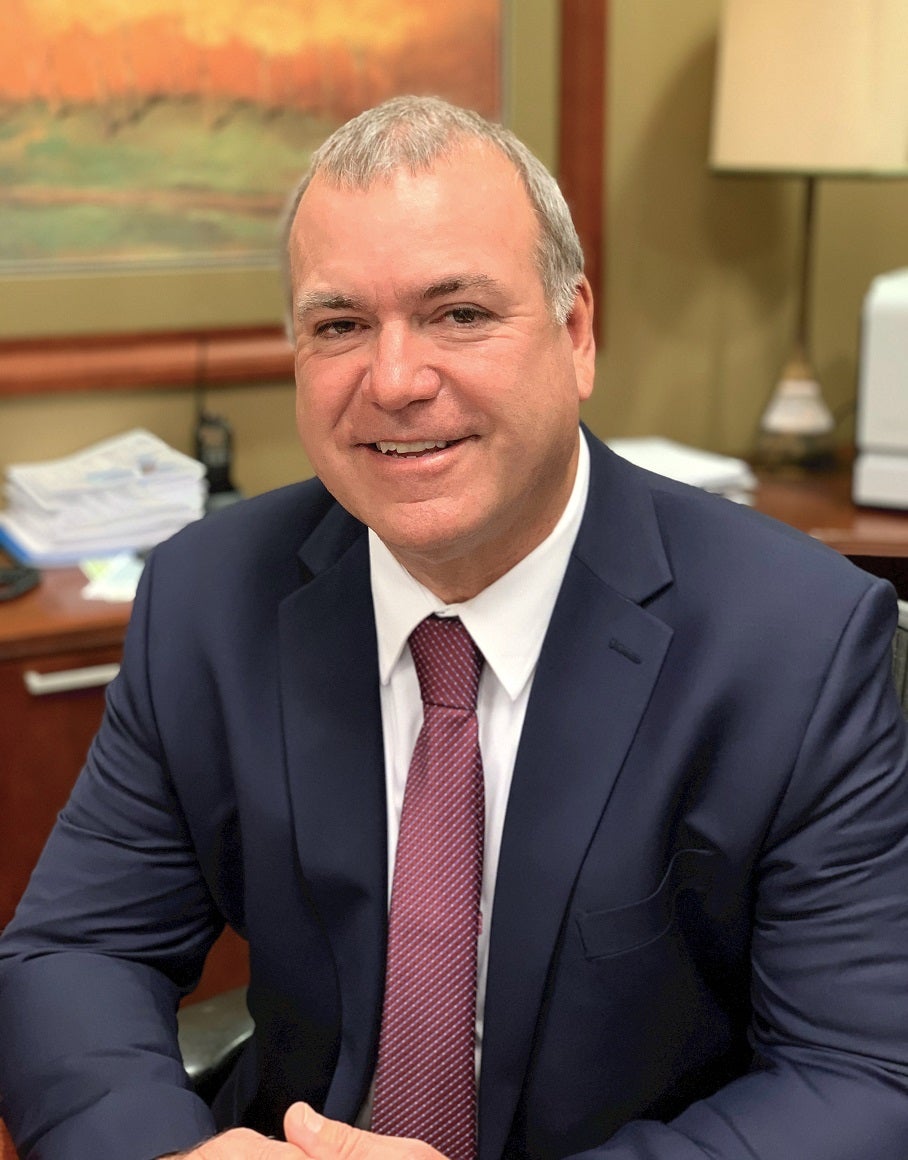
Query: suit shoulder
(645,534)
(260,528)
(745,550)
(246,552)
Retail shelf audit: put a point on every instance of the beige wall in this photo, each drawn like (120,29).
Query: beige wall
(698,295)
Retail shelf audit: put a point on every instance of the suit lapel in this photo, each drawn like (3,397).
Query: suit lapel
(601,657)
(332,715)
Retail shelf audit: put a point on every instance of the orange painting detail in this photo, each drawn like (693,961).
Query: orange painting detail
(289,50)
(204,103)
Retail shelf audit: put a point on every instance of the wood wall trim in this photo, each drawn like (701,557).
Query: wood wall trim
(132,362)
(581,131)
(170,360)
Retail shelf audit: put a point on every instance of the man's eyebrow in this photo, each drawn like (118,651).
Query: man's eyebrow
(458,283)
(316,300)
(325,300)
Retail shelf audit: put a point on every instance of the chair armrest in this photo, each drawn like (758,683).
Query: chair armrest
(212,1033)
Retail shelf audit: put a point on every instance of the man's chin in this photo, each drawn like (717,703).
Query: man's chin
(434,528)
(426,548)
(437,544)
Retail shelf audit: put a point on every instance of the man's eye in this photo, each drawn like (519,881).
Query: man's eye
(336,327)
(466,315)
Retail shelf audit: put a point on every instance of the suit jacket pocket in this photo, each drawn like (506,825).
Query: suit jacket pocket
(604,933)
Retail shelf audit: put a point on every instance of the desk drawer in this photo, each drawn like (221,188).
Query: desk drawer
(50,708)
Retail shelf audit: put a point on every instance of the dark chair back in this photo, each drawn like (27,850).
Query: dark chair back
(900,655)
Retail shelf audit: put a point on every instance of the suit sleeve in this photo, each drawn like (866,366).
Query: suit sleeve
(829,1078)
(112,930)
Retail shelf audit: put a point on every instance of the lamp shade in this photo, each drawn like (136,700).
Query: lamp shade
(812,86)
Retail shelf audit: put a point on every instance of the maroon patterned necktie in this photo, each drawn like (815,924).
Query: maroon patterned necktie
(425,1084)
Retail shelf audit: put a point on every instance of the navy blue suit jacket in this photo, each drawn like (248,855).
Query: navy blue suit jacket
(700,933)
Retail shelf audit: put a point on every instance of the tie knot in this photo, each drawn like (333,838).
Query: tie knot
(447,662)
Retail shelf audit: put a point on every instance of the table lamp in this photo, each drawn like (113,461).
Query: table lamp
(815,89)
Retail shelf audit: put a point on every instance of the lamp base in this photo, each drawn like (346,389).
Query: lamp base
(796,429)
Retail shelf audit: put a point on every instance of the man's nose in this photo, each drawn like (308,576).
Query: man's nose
(400,370)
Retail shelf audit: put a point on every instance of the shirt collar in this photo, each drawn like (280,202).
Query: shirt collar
(508,620)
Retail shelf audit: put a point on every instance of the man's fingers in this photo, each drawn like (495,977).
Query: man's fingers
(314,1134)
(242,1144)
(323,1139)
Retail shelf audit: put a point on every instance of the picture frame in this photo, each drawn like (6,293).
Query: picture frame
(219,326)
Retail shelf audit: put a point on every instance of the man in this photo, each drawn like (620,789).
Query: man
(693,919)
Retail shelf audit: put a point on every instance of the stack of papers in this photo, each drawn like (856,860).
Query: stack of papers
(717,473)
(123,494)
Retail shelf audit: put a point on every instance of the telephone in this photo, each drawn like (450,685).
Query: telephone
(214,448)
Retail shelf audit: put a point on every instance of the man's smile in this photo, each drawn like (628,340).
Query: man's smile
(413,447)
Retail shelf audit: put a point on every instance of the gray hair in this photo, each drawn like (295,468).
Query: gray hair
(413,133)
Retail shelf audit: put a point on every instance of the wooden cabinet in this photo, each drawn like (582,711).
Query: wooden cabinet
(58,651)
(44,734)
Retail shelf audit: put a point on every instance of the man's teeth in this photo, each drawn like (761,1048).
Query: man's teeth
(411,448)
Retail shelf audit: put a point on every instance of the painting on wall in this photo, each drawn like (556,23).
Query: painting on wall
(170,132)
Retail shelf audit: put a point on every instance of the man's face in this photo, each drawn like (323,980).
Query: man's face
(436,398)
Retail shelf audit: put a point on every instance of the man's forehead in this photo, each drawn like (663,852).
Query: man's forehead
(464,163)
(468,213)
(459,225)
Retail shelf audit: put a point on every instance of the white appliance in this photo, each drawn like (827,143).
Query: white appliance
(881,466)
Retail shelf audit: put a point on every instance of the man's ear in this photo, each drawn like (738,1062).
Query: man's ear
(579,325)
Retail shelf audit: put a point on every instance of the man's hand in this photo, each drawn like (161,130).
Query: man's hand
(321,1139)
(240,1144)
(310,1137)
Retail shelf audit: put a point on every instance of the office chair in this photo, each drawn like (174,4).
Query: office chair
(212,1033)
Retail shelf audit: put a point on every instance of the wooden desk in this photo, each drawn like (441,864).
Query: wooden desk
(54,617)
(821,505)
(47,723)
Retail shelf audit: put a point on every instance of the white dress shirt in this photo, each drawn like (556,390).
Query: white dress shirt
(508,621)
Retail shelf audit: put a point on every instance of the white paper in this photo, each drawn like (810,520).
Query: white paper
(718,473)
(122,494)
